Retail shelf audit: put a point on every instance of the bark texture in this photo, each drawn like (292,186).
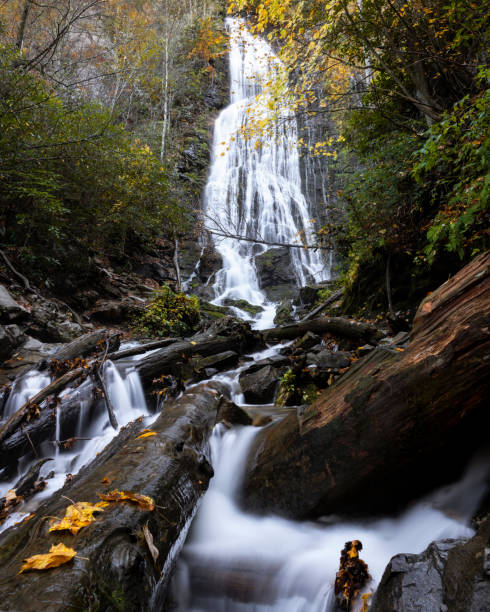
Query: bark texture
(395,424)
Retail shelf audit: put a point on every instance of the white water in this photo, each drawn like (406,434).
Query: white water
(254,189)
(126,394)
(291,566)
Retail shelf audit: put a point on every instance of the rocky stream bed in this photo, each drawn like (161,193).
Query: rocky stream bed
(394,418)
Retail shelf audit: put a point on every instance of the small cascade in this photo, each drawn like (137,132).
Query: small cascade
(237,562)
(85,435)
(25,388)
(254,188)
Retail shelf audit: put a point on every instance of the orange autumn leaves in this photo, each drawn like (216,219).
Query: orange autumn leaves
(77,516)
(57,555)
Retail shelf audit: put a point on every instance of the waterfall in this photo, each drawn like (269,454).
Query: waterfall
(238,562)
(254,187)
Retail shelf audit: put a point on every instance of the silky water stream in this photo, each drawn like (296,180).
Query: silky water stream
(234,561)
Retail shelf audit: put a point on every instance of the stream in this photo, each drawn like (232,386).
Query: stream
(233,561)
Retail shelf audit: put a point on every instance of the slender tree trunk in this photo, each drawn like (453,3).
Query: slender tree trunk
(166,120)
(19,43)
(388,286)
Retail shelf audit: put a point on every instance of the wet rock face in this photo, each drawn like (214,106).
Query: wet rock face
(259,387)
(449,576)
(10,310)
(274,268)
(414,582)
(10,338)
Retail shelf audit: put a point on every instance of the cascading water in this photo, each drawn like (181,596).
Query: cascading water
(254,188)
(237,562)
(91,429)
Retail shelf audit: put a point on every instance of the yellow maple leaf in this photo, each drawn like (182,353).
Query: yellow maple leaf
(143,501)
(77,516)
(57,555)
(146,434)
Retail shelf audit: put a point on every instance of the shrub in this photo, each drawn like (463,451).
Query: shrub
(168,313)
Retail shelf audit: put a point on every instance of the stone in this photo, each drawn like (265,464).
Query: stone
(10,338)
(244,305)
(274,268)
(261,420)
(231,414)
(10,310)
(284,313)
(259,387)
(448,576)
(115,311)
(308,341)
(221,361)
(328,359)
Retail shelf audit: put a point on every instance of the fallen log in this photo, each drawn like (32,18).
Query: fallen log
(52,389)
(86,344)
(37,431)
(142,348)
(114,567)
(338,326)
(397,424)
(333,298)
(224,335)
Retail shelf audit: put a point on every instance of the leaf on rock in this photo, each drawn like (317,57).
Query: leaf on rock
(77,516)
(57,555)
(154,552)
(147,433)
(142,501)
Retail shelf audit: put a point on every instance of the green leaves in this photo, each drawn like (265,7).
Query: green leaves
(168,313)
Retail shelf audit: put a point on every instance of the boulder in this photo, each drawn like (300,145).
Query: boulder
(274,268)
(387,430)
(244,305)
(10,338)
(10,310)
(259,387)
(328,359)
(220,361)
(116,311)
(231,414)
(449,576)
(284,313)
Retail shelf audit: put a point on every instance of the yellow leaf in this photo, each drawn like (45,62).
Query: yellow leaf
(77,516)
(58,554)
(143,501)
(147,434)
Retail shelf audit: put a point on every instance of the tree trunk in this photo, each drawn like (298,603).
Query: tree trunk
(396,424)
(113,569)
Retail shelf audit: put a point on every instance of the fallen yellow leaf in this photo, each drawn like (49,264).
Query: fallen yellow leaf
(57,555)
(143,501)
(147,434)
(77,516)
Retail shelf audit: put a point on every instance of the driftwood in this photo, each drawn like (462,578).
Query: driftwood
(339,326)
(114,567)
(396,425)
(105,395)
(333,298)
